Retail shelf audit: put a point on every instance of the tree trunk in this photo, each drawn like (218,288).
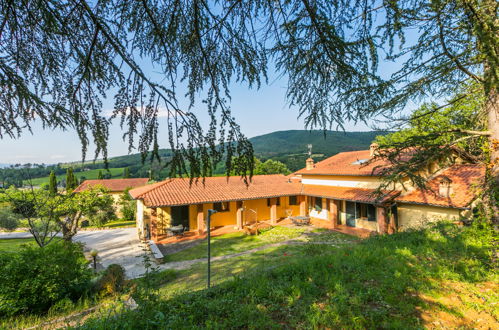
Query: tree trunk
(492,108)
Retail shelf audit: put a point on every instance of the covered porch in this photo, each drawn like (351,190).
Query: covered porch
(230,216)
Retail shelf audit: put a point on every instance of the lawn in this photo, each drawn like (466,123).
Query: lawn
(235,242)
(437,277)
(14,244)
(116,173)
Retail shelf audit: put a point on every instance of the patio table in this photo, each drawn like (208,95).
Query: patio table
(177,230)
(300,220)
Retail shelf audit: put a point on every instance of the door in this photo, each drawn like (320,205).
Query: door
(350,214)
(180,216)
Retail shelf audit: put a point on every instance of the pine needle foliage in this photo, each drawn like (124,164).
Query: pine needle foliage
(61,58)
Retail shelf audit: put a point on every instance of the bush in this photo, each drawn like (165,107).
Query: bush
(34,279)
(128,206)
(101,217)
(8,220)
(111,281)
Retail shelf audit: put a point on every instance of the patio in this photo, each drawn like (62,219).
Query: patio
(191,237)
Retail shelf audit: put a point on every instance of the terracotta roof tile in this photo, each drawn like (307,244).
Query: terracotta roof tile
(113,184)
(179,191)
(348,193)
(346,163)
(464,179)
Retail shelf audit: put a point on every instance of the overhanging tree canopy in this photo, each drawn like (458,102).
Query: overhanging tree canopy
(59,58)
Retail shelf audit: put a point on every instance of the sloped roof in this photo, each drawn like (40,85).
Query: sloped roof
(179,191)
(346,163)
(113,184)
(464,179)
(347,193)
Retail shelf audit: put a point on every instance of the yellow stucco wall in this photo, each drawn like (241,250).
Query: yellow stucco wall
(413,215)
(356,181)
(262,212)
(116,199)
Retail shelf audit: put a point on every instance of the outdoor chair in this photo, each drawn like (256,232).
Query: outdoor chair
(177,230)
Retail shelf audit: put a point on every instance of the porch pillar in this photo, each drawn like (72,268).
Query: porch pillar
(200,219)
(303,206)
(154,224)
(239,214)
(333,213)
(273,211)
(382,220)
(392,228)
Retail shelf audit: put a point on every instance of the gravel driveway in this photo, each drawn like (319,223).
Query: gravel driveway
(116,246)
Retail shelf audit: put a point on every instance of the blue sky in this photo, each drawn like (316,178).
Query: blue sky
(257,111)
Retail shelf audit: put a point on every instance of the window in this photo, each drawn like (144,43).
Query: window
(360,210)
(278,201)
(318,204)
(293,200)
(365,211)
(371,212)
(221,207)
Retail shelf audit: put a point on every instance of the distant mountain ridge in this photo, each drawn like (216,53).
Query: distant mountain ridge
(288,147)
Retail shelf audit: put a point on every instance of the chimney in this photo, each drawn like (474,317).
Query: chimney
(373,149)
(445,188)
(309,163)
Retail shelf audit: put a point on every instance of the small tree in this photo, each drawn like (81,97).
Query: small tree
(71,182)
(8,219)
(39,208)
(270,167)
(52,183)
(100,176)
(126,173)
(128,206)
(94,204)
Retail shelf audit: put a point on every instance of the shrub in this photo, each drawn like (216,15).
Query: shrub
(8,220)
(34,279)
(128,206)
(111,281)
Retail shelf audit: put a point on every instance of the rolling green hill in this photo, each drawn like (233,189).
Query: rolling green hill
(115,173)
(288,147)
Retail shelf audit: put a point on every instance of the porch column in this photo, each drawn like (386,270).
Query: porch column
(154,224)
(239,214)
(392,228)
(200,219)
(303,206)
(333,213)
(382,220)
(273,211)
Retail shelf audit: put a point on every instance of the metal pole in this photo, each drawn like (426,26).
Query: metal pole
(208,223)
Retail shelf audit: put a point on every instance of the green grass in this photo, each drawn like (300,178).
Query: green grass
(234,243)
(408,280)
(14,244)
(116,173)
(8,245)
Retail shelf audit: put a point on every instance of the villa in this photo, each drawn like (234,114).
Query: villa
(336,192)
(115,187)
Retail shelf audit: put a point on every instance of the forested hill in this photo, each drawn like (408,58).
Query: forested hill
(289,147)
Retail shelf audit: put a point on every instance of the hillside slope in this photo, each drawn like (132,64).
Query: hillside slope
(289,147)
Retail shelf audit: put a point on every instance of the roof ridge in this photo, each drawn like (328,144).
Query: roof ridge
(154,186)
